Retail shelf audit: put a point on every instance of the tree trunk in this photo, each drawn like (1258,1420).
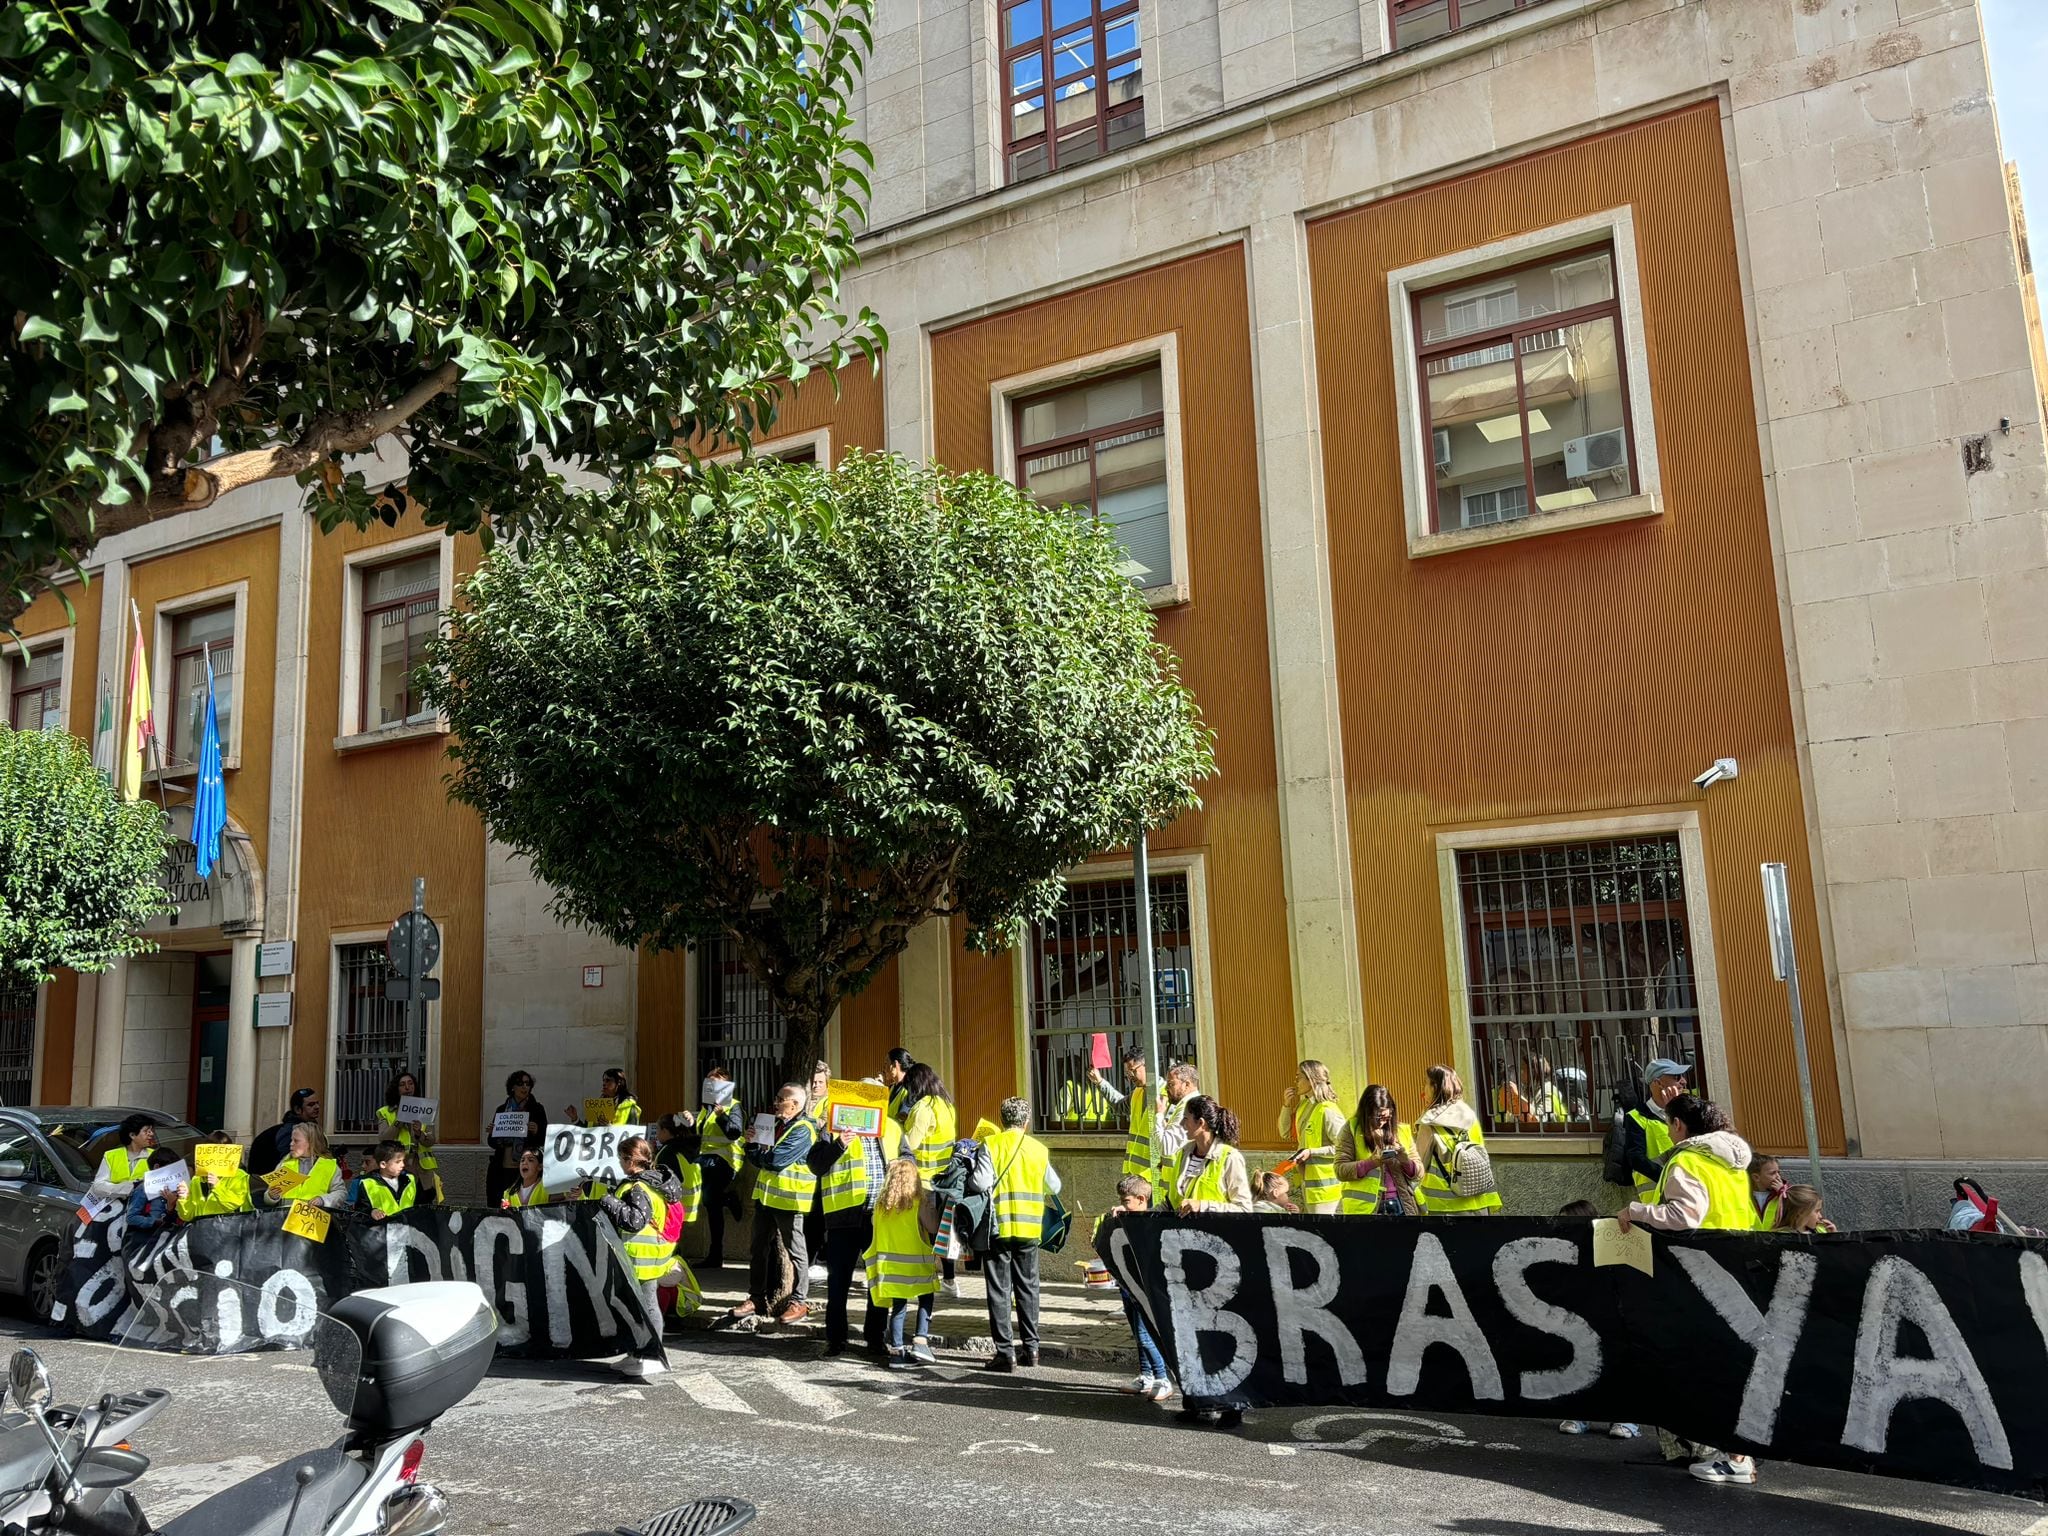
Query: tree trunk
(803,1045)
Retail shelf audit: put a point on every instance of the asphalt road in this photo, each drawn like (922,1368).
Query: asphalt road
(847,1449)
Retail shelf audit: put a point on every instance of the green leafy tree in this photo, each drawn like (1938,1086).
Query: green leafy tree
(241,241)
(81,870)
(820,709)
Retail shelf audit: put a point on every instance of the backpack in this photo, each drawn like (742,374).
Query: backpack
(1470,1170)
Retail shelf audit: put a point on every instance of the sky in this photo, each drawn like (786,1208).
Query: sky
(2016,33)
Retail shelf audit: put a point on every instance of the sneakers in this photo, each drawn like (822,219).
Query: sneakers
(1001,1364)
(951,1288)
(1162,1391)
(1620,1431)
(820,1274)
(921,1351)
(900,1360)
(1142,1387)
(1574,1427)
(1726,1469)
(634,1368)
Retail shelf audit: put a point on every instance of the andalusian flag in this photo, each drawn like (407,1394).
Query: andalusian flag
(103,733)
(138,737)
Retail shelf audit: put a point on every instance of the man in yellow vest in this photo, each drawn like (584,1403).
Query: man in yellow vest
(1143,1127)
(782,1194)
(1646,1134)
(1024,1180)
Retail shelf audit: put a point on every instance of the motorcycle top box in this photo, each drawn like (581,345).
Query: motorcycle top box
(423,1348)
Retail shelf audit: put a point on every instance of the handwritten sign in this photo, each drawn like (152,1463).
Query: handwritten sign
(573,1153)
(1098,1052)
(307,1220)
(284,1179)
(855,1106)
(764,1131)
(716,1092)
(600,1111)
(160,1180)
(412,1111)
(1611,1245)
(509,1125)
(215,1160)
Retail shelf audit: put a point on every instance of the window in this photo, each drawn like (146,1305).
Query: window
(195,634)
(17,1045)
(1524,391)
(1578,967)
(1100,446)
(1082,56)
(370,1044)
(1084,982)
(401,607)
(36,690)
(1417,21)
(737,1025)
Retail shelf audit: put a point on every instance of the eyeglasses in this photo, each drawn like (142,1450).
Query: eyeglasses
(522,1082)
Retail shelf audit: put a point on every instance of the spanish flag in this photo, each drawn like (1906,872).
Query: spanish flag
(138,737)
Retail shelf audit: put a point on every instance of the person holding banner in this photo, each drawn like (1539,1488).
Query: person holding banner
(719,1124)
(1376,1159)
(387,1188)
(507,1152)
(1209,1172)
(308,1173)
(122,1167)
(1312,1122)
(417,1139)
(1448,1122)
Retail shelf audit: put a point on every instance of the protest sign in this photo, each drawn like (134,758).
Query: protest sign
(851,1105)
(307,1220)
(1913,1354)
(764,1131)
(1611,1245)
(1098,1052)
(412,1111)
(715,1092)
(166,1179)
(509,1124)
(572,1153)
(283,1180)
(600,1111)
(216,1160)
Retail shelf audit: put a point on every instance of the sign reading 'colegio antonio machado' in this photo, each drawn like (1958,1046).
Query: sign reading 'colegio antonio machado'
(1917,1354)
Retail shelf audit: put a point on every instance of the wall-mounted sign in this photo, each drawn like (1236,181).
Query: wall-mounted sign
(274,959)
(220,902)
(593,975)
(273,1010)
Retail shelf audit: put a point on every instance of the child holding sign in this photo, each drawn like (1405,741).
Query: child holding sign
(308,1173)
(218,1187)
(402,1124)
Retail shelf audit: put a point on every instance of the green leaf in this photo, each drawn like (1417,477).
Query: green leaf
(537,16)
(404,10)
(36,328)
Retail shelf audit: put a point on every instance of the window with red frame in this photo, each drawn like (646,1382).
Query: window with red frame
(1073,82)
(1417,21)
(401,613)
(1524,391)
(195,636)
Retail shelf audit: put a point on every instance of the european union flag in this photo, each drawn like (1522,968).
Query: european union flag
(210,807)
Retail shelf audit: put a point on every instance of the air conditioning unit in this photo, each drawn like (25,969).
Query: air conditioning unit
(1440,448)
(1598,453)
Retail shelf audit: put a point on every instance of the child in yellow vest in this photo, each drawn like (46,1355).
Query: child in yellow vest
(901,1265)
(529,1190)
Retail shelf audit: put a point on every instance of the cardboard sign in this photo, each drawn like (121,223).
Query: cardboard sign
(307,1220)
(412,1111)
(764,1131)
(573,1153)
(859,1119)
(1098,1052)
(716,1092)
(1611,1245)
(509,1125)
(600,1111)
(282,1180)
(99,1210)
(214,1160)
(158,1180)
(856,1106)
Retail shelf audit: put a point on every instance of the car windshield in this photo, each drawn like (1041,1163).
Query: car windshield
(68,1152)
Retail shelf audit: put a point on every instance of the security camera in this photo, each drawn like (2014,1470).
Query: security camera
(1724,768)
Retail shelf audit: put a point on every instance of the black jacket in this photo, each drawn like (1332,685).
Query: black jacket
(268,1148)
(632,1211)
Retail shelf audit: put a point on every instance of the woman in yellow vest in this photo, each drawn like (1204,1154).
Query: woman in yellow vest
(1312,1121)
(929,1132)
(718,1126)
(1376,1159)
(625,1109)
(418,1140)
(1209,1172)
(528,1191)
(319,1176)
(639,1207)
(895,1067)
(123,1165)
(1448,1121)
(902,1269)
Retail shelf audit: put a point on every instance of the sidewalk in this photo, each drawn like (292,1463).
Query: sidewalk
(1074,1322)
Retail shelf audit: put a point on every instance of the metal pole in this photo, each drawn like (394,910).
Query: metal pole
(416,1005)
(1785,964)
(1141,873)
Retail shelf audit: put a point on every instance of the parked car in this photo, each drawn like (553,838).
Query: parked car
(48,1155)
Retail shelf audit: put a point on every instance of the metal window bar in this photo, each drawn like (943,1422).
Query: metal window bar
(1579,972)
(17,1045)
(369,1041)
(738,1027)
(1084,982)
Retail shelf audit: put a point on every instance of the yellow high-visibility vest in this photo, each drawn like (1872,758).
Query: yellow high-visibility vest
(1021,1162)
(845,1184)
(1729,1206)
(900,1260)
(1322,1192)
(791,1188)
(1362,1196)
(930,1136)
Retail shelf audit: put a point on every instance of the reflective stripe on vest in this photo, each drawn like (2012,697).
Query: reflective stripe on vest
(517,1199)
(402,1134)
(711,1126)
(933,1127)
(691,1177)
(647,1249)
(1321,1189)
(124,1168)
(1084,1102)
(1208,1183)
(1138,1139)
(1657,1144)
(318,1181)
(901,1263)
(1362,1195)
(1729,1206)
(382,1199)
(845,1184)
(1021,1163)
(1436,1191)
(788,1189)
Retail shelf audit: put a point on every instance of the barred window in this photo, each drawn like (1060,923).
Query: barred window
(738,1027)
(1579,969)
(17,1045)
(370,1046)
(1085,982)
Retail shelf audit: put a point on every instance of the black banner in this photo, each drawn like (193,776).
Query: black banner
(556,1274)
(1914,1353)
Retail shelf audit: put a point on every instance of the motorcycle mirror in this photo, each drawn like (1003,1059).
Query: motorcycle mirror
(28,1380)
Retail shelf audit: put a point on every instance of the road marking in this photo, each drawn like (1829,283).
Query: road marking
(1430,1432)
(822,1401)
(1005,1448)
(2038,1528)
(707,1391)
(841,1429)
(1189,1474)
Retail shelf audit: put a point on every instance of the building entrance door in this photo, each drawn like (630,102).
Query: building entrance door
(206,1099)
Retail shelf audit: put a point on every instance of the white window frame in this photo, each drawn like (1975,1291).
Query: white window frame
(1165,351)
(1699,922)
(350,735)
(336,942)
(161,680)
(36,645)
(1492,488)
(1194,864)
(1616,225)
(818,440)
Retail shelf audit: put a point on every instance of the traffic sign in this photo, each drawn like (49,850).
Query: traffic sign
(399,989)
(413,930)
